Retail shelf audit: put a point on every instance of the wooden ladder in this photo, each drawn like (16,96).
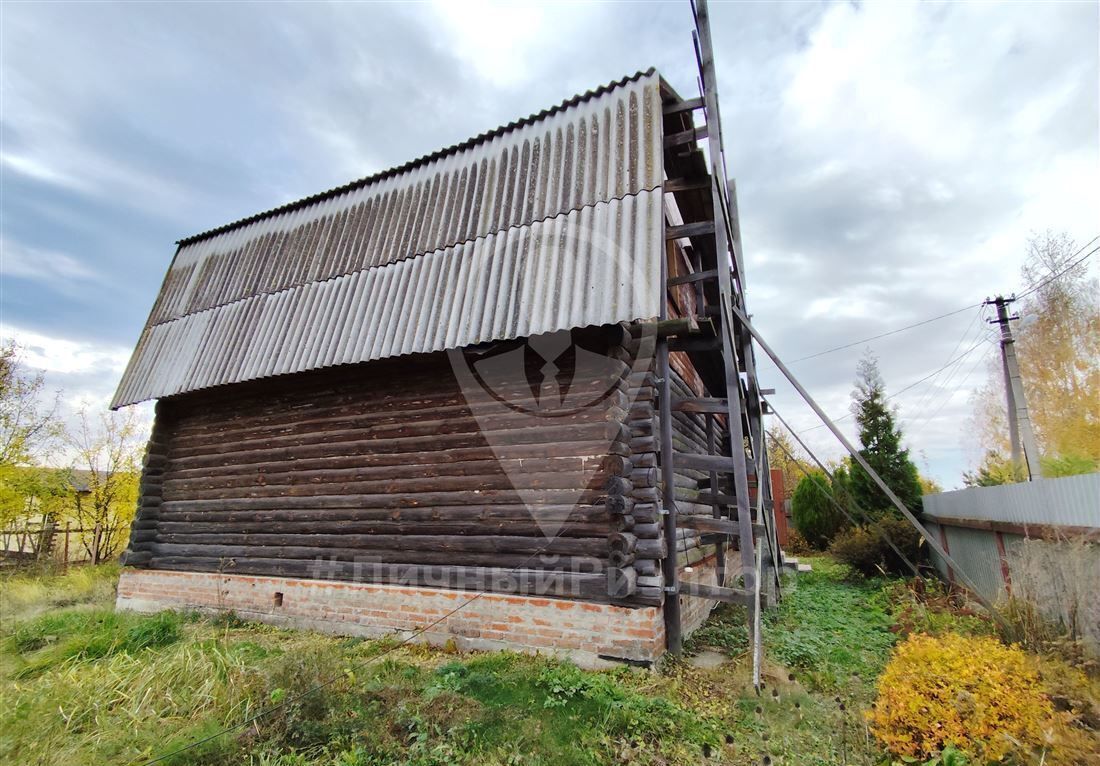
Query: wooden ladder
(705,252)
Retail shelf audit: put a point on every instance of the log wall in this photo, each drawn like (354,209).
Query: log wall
(384,472)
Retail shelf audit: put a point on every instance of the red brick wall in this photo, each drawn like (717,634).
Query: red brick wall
(583,632)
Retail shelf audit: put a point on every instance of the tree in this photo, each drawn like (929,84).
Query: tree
(108,450)
(881,438)
(813,508)
(27,429)
(785,457)
(1058,345)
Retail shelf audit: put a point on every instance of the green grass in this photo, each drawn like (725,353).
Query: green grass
(825,644)
(83,684)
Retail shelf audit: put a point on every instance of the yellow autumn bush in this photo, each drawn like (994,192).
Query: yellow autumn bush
(975,693)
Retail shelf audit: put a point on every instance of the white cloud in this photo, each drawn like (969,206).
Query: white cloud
(48,266)
(68,357)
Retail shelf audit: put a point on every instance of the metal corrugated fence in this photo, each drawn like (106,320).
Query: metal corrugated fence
(1070,501)
(552,223)
(1053,566)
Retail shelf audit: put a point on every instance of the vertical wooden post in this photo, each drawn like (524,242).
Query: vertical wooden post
(95,543)
(65,554)
(674,639)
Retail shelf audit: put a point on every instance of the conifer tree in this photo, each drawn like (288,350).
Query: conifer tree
(880,438)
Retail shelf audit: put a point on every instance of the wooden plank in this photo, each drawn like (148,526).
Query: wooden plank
(686,137)
(697,276)
(717,498)
(716,593)
(716,526)
(701,405)
(695,183)
(696,229)
(720,463)
(685,105)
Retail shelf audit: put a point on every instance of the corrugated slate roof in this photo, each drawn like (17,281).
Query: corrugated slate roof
(548,223)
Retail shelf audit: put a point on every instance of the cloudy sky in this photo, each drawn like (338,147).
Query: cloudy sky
(891,159)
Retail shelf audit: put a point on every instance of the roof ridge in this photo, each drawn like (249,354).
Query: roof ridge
(423,160)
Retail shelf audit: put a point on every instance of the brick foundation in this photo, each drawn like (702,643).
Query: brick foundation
(584,632)
(694,611)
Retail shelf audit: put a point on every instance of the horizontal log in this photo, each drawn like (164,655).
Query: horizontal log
(290,474)
(529,526)
(385,500)
(537,544)
(379,555)
(437,513)
(411,487)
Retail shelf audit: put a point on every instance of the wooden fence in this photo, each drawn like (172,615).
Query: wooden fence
(45,540)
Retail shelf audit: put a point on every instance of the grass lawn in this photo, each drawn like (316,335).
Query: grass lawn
(82,684)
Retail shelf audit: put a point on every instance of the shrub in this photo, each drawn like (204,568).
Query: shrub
(864,549)
(973,693)
(796,543)
(813,511)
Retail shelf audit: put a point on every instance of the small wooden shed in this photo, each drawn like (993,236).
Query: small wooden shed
(424,402)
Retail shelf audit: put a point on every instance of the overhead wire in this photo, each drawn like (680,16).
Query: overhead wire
(924,399)
(927,399)
(915,383)
(887,334)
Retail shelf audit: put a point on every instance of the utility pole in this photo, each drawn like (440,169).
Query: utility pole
(1019,422)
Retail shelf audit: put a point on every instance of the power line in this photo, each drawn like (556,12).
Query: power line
(920,426)
(1030,290)
(965,337)
(926,398)
(886,334)
(915,383)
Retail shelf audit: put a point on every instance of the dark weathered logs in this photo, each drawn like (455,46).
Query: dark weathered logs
(622,547)
(618,505)
(644,477)
(390,462)
(381,555)
(621,582)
